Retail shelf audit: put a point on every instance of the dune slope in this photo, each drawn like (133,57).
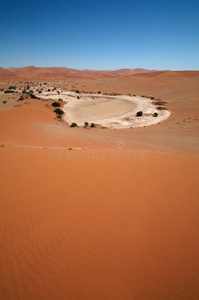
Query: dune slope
(98,229)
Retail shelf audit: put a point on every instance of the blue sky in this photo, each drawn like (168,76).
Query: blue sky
(100,34)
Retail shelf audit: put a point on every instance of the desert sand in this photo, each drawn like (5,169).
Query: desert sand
(116,217)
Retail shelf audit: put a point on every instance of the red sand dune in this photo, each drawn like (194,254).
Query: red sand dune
(110,228)
(61,73)
(98,229)
(7,75)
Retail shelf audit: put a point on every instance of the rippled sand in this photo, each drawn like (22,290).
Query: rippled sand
(98,229)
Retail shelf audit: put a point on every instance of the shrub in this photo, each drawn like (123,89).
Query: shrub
(155,114)
(28,87)
(59,111)
(8,91)
(160,102)
(33,96)
(161,108)
(4,102)
(73,125)
(12,87)
(77,91)
(99,92)
(78,97)
(139,114)
(60,99)
(59,117)
(40,92)
(92,125)
(48,90)
(31,91)
(56,104)
(21,98)
(86,124)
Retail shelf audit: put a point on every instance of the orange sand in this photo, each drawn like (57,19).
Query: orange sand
(108,228)
(89,229)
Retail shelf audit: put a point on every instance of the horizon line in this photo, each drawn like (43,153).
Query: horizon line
(100,70)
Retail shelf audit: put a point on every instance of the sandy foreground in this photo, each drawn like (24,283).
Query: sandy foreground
(114,218)
(74,228)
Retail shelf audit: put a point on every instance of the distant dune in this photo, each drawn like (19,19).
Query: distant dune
(7,75)
(61,73)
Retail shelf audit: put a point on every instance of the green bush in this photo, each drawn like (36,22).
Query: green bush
(33,96)
(161,108)
(139,114)
(155,114)
(160,102)
(56,104)
(12,87)
(86,124)
(92,125)
(21,98)
(4,102)
(73,125)
(59,111)
(9,91)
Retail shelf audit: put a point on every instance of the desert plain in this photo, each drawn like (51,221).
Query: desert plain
(102,212)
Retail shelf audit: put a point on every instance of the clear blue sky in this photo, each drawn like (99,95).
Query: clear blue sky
(155,34)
